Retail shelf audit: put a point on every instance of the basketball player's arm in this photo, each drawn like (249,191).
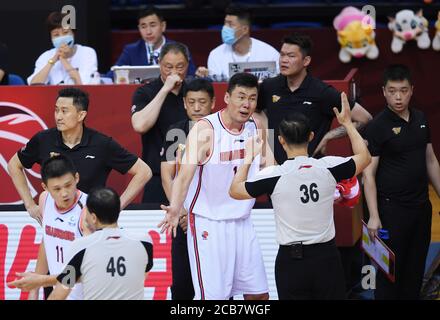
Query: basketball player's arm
(197,149)
(16,171)
(238,190)
(167,173)
(433,168)
(31,281)
(141,173)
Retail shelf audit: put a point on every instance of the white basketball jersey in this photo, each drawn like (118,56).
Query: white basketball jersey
(60,228)
(208,195)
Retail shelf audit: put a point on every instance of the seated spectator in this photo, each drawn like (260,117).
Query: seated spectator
(67,62)
(146,51)
(238,46)
(3,64)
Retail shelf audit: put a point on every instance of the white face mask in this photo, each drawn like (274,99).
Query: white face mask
(67,39)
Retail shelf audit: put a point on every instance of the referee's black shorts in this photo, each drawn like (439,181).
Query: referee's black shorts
(317,275)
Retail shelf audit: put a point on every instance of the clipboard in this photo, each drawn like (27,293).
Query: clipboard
(380,253)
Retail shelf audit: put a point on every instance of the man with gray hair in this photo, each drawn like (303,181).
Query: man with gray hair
(156,106)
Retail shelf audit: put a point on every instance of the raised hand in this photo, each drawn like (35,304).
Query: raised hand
(344,117)
(253,148)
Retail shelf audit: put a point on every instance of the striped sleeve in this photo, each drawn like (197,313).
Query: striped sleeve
(149,248)
(345,170)
(264,182)
(72,271)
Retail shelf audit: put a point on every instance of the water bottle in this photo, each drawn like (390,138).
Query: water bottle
(95,78)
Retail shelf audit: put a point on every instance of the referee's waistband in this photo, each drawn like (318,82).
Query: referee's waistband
(331,243)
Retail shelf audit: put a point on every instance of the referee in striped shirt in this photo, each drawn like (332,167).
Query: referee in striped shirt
(308,264)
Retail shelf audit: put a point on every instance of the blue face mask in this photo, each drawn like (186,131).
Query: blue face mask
(67,39)
(228,35)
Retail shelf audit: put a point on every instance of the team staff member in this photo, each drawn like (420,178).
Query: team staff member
(396,184)
(308,265)
(199,101)
(156,106)
(93,153)
(295,90)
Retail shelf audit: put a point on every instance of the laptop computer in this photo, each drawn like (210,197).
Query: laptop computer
(134,74)
(261,69)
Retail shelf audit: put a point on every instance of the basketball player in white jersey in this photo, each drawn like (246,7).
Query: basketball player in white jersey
(223,249)
(63,208)
(111,263)
(302,189)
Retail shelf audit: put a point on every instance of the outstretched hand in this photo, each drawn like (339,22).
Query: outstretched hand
(28,281)
(171,220)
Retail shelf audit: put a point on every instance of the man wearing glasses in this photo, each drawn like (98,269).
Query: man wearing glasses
(156,106)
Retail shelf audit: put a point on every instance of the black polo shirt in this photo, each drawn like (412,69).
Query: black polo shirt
(314,98)
(94,157)
(176,134)
(171,112)
(401,174)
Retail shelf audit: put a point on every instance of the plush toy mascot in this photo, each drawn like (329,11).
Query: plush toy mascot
(356,35)
(408,26)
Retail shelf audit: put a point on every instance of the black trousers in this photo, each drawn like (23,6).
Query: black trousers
(153,191)
(409,237)
(318,275)
(182,287)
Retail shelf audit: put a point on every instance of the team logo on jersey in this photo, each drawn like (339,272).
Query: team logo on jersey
(396,130)
(275,98)
(72,221)
(17,125)
(53,154)
(205,235)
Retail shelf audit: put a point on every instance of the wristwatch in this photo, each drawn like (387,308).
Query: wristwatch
(51,62)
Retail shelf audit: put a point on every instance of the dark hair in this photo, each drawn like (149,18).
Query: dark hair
(80,98)
(56,167)
(396,72)
(54,20)
(242,79)
(199,85)
(295,128)
(105,203)
(175,47)
(242,13)
(149,11)
(302,41)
